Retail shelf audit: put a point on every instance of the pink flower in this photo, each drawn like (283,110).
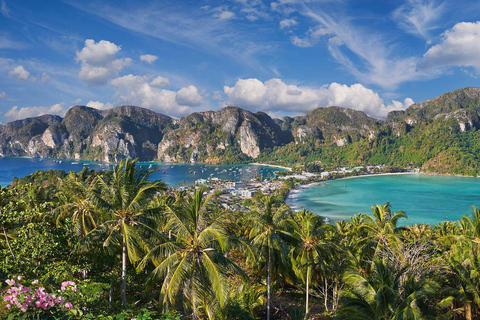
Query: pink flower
(68,305)
(34,282)
(19,278)
(10,282)
(8,306)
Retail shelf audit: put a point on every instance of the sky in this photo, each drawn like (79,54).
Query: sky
(283,57)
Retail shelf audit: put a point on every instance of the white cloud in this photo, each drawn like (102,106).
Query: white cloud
(99,63)
(288,23)
(276,96)
(225,15)
(19,73)
(302,43)
(460,46)
(160,82)
(188,96)
(3,95)
(28,112)
(148,58)
(311,37)
(99,105)
(138,90)
(78,100)
(418,16)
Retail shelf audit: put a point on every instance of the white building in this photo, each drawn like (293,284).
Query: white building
(246,194)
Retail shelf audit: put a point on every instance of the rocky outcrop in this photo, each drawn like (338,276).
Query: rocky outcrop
(235,135)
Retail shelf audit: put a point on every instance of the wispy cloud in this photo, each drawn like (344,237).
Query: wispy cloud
(376,61)
(7,43)
(4,9)
(418,17)
(197,29)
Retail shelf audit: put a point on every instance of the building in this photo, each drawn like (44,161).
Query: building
(246,194)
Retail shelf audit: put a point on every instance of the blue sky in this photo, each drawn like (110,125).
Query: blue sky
(283,57)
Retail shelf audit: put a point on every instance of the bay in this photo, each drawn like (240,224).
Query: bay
(424,198)
(170,173)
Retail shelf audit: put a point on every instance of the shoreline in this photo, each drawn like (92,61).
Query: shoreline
(270,165)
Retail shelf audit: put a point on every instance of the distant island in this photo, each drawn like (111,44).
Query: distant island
(439,136)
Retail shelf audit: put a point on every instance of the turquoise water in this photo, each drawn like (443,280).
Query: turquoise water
(171,173)
(425,199)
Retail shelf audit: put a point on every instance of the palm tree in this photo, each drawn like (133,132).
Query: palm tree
(193,261)
(269,234)
(123,199)
(382,294)
(79,203)
(382,228)
(311,250)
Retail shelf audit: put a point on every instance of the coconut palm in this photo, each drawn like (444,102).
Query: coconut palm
(79,203)
(269,235)
(382,295)
(311,250)
(123,199)
(382,228)
(193,261)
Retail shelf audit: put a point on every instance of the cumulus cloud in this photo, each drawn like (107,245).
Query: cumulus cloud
(28,112)
(99,105)
(148,58)
(99,62)
(138,90)
(276,96)
(160,82)
(288,23)
(19,73)
(460,46)
(188,96)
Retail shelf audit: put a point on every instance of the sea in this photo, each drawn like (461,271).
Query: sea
(424,198)
(173,174)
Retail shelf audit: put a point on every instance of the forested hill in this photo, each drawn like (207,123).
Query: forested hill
(439,135)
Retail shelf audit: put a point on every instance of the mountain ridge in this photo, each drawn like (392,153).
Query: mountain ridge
(332,135)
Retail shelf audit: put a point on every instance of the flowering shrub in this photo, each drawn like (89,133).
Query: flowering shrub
(21,299)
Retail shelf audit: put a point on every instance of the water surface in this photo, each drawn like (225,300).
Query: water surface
(171,173)
(424,198)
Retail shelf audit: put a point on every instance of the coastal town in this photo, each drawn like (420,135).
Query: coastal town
(235,195)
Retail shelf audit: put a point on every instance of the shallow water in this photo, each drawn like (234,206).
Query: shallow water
(171,173)
(424,198)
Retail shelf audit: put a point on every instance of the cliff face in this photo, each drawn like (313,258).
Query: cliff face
(236,135)
(215,136)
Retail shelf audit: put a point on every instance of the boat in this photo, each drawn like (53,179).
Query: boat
(163,171)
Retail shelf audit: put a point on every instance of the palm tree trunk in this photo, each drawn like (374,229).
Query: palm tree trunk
(194,304)
(306,298)
(468,311)
(326,294)
(268,285)
(8,242)
(124,272)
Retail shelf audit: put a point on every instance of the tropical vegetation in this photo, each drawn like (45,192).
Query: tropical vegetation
(117,245)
